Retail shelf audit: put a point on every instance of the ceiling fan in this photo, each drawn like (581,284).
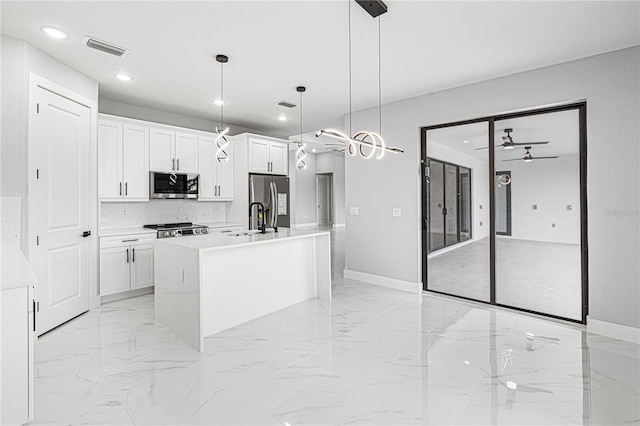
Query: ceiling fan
(508,143)
(528,157)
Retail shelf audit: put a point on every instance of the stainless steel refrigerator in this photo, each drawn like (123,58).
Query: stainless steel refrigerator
(273,193)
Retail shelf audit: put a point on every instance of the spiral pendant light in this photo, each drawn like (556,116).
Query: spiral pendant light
(300,153)
(364,140)
(221,141)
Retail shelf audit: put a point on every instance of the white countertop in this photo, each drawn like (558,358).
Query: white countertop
(110,232)
(222,241)
(16,271)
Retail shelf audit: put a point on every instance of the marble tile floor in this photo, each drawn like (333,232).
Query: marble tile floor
(371,356)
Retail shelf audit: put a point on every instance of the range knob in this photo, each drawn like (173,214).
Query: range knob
(174,233)
(204,231)
(164,234)
(196,231)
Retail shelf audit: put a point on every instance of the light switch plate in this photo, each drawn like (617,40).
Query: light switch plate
(354,211)
(397,212)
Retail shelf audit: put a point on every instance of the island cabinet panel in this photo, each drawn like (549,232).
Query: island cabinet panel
(203,285)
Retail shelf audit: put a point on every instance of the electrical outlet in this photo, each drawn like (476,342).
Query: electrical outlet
(480,223)
(553,225)
(354,211)
(396,212)
(125,212)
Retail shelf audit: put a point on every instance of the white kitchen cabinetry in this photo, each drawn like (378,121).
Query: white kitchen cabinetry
(126,263)
(268,156)
(17,338)
(216,177)
(123,161)
(173,151)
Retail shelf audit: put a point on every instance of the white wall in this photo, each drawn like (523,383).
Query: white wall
(18,58)
(551,185)
(302,187)
(128,215)
(334,163)
(390,247)
(479,184)
(107,106)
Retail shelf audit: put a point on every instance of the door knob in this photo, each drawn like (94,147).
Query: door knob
(86,234)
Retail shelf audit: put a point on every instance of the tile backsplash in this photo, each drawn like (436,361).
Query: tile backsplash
(129,215)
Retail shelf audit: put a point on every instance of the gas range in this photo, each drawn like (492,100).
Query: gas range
(168,230)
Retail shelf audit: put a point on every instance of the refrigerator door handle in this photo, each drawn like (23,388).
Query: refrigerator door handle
(252,198)
(274,205)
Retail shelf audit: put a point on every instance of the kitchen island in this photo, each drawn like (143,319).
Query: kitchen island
(208,283)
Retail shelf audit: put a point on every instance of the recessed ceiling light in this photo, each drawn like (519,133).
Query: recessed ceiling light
(218,102)
(122,76)
(54,33)
(314,150)
(465,141)
(282,117)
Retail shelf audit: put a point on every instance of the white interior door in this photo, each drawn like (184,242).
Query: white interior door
(60,151)
(323,200)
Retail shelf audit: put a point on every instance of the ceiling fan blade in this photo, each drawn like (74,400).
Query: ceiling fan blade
(543,158)
(531,143)
(514,159)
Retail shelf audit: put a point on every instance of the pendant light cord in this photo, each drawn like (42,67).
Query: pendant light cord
(379,79)
(222,95)
(350,105)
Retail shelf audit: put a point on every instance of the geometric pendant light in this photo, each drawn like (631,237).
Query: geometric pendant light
(364,141)
(221,141)
(300,153)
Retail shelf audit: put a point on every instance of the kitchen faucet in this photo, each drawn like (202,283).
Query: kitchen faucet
(261,215)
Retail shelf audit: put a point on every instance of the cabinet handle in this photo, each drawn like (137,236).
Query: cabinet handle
(215,191)
(127,255)
(126,189)
(173,164)
(34,315)
(120,188)
(133,255)
(178,162)
(133,239)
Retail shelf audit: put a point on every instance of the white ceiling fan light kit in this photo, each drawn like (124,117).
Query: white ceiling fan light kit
(365,139)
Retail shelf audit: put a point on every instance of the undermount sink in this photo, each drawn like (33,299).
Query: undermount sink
(252,232)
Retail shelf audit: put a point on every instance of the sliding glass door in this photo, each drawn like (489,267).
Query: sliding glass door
(504,210)
(457,196)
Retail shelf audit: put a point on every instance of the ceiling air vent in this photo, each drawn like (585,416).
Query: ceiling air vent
(105,47)
(286,104)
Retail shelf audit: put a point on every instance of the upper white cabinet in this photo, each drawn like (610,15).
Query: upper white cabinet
(173,151)
(268,156)
(123,161)
(216,177)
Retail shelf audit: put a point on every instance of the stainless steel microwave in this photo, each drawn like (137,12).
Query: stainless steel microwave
(173,185)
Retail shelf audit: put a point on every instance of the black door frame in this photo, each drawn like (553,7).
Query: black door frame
(508,188)
(584,246)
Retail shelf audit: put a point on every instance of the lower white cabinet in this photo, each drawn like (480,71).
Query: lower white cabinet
(126,263)
(17,363)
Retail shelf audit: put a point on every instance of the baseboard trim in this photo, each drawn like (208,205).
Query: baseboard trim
(126,295)
(383,281)
(305,225)
(611,329)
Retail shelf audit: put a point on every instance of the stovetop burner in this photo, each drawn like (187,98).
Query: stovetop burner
(168,230)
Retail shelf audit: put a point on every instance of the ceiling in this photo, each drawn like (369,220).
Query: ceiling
(274,46)
(560,129)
